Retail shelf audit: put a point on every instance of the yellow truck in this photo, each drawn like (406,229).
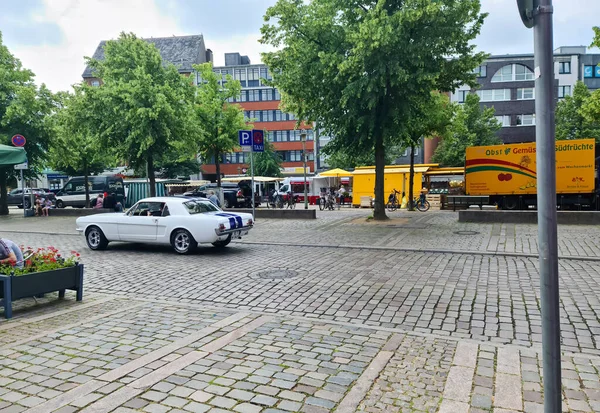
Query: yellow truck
(507,174)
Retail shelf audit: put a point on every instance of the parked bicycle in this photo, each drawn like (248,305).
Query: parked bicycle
(419,202)
(275,200)
(327,201)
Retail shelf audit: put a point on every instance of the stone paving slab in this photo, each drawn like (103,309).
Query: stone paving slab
(177,358)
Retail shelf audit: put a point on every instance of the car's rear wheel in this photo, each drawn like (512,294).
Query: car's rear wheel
(27,203)
(95,238)
(224,243)
(60,204)
(183,242)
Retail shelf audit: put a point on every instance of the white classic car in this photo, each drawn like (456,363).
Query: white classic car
(181,222)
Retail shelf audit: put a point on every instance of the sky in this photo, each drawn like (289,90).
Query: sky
(51,37)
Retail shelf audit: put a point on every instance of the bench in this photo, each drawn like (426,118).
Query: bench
(468,200)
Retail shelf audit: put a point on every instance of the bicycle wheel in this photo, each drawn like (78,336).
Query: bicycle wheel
(392,206)
(321,204)
(423,206)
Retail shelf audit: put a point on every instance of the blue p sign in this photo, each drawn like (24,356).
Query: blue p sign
(245,137)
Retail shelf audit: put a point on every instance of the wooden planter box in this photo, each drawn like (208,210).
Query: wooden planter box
(39,283)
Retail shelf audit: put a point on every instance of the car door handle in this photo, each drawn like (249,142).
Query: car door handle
(155,220)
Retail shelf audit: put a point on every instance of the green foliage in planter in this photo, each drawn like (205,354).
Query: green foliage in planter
(42,259)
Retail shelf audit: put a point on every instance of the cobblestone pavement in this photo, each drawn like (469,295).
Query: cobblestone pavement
(434,230)
(268,325)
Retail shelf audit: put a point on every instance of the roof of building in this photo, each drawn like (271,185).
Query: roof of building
(182,51)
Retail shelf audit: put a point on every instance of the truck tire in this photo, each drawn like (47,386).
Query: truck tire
(511,203)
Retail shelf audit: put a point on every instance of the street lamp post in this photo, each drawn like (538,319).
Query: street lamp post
(303,139)
(537,14)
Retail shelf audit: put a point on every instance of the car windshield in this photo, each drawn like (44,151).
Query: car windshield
(200,207)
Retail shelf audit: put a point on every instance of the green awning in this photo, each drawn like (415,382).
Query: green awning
(10,155)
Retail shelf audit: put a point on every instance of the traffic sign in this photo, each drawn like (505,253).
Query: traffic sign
(22,166)
(258,142)
(526,8)
(18,140)
(245,137)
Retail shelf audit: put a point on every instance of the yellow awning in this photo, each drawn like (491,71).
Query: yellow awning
(335,173)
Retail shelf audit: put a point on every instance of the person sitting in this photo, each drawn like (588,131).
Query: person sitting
(99,202)
(38,208)
(47,206)
(110,201)
(10,253)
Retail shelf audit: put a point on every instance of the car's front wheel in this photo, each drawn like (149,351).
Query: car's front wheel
(183,242)
(224,243)
(95,238)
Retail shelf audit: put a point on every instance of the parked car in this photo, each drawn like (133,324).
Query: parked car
(73,193)
(15,197)
(235,195)
(179,221)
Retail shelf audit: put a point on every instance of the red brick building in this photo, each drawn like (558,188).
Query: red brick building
(261,103)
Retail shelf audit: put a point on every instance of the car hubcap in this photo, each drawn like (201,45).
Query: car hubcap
(182,242)
(94,238)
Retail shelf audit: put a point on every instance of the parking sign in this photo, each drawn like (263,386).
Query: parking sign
(258,141)
(245,137)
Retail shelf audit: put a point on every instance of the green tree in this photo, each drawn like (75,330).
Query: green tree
(76,149)
(357,66)
(220,119)
(471,126)
(428,118)
(571,122)
(268,163)
(26,110)
(144,105)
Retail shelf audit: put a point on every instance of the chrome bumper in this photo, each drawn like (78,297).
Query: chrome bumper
(243,231)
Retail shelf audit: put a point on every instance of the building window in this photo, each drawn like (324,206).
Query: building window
(526,93)
(493,95)
(462,96)
(564,68)
(243,96)
(564,91)
(481,71)
(95,83)
(253,95)
(253,74)
(266,94)
(511,73)
(525,120)
(504,120)
(277,95)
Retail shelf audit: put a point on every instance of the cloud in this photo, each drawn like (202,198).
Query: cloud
(83,24)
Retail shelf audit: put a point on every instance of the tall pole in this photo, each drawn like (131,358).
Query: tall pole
(252,172)
(303,138)
(546,183)
(23,193)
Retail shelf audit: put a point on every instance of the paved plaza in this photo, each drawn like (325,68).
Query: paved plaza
(338,314)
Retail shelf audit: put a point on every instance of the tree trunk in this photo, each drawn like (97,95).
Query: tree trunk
(411,179)
(3,192)
(218,169)
(150,173)
(86,182)
(379,212)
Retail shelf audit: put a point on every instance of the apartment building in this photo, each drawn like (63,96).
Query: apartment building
(507,83)
(260,103)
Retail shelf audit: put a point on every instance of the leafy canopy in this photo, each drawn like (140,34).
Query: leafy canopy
(144,105)
(470,126)
(571,119)
(268,163)
(24,109)
(220,120)
(357,67)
